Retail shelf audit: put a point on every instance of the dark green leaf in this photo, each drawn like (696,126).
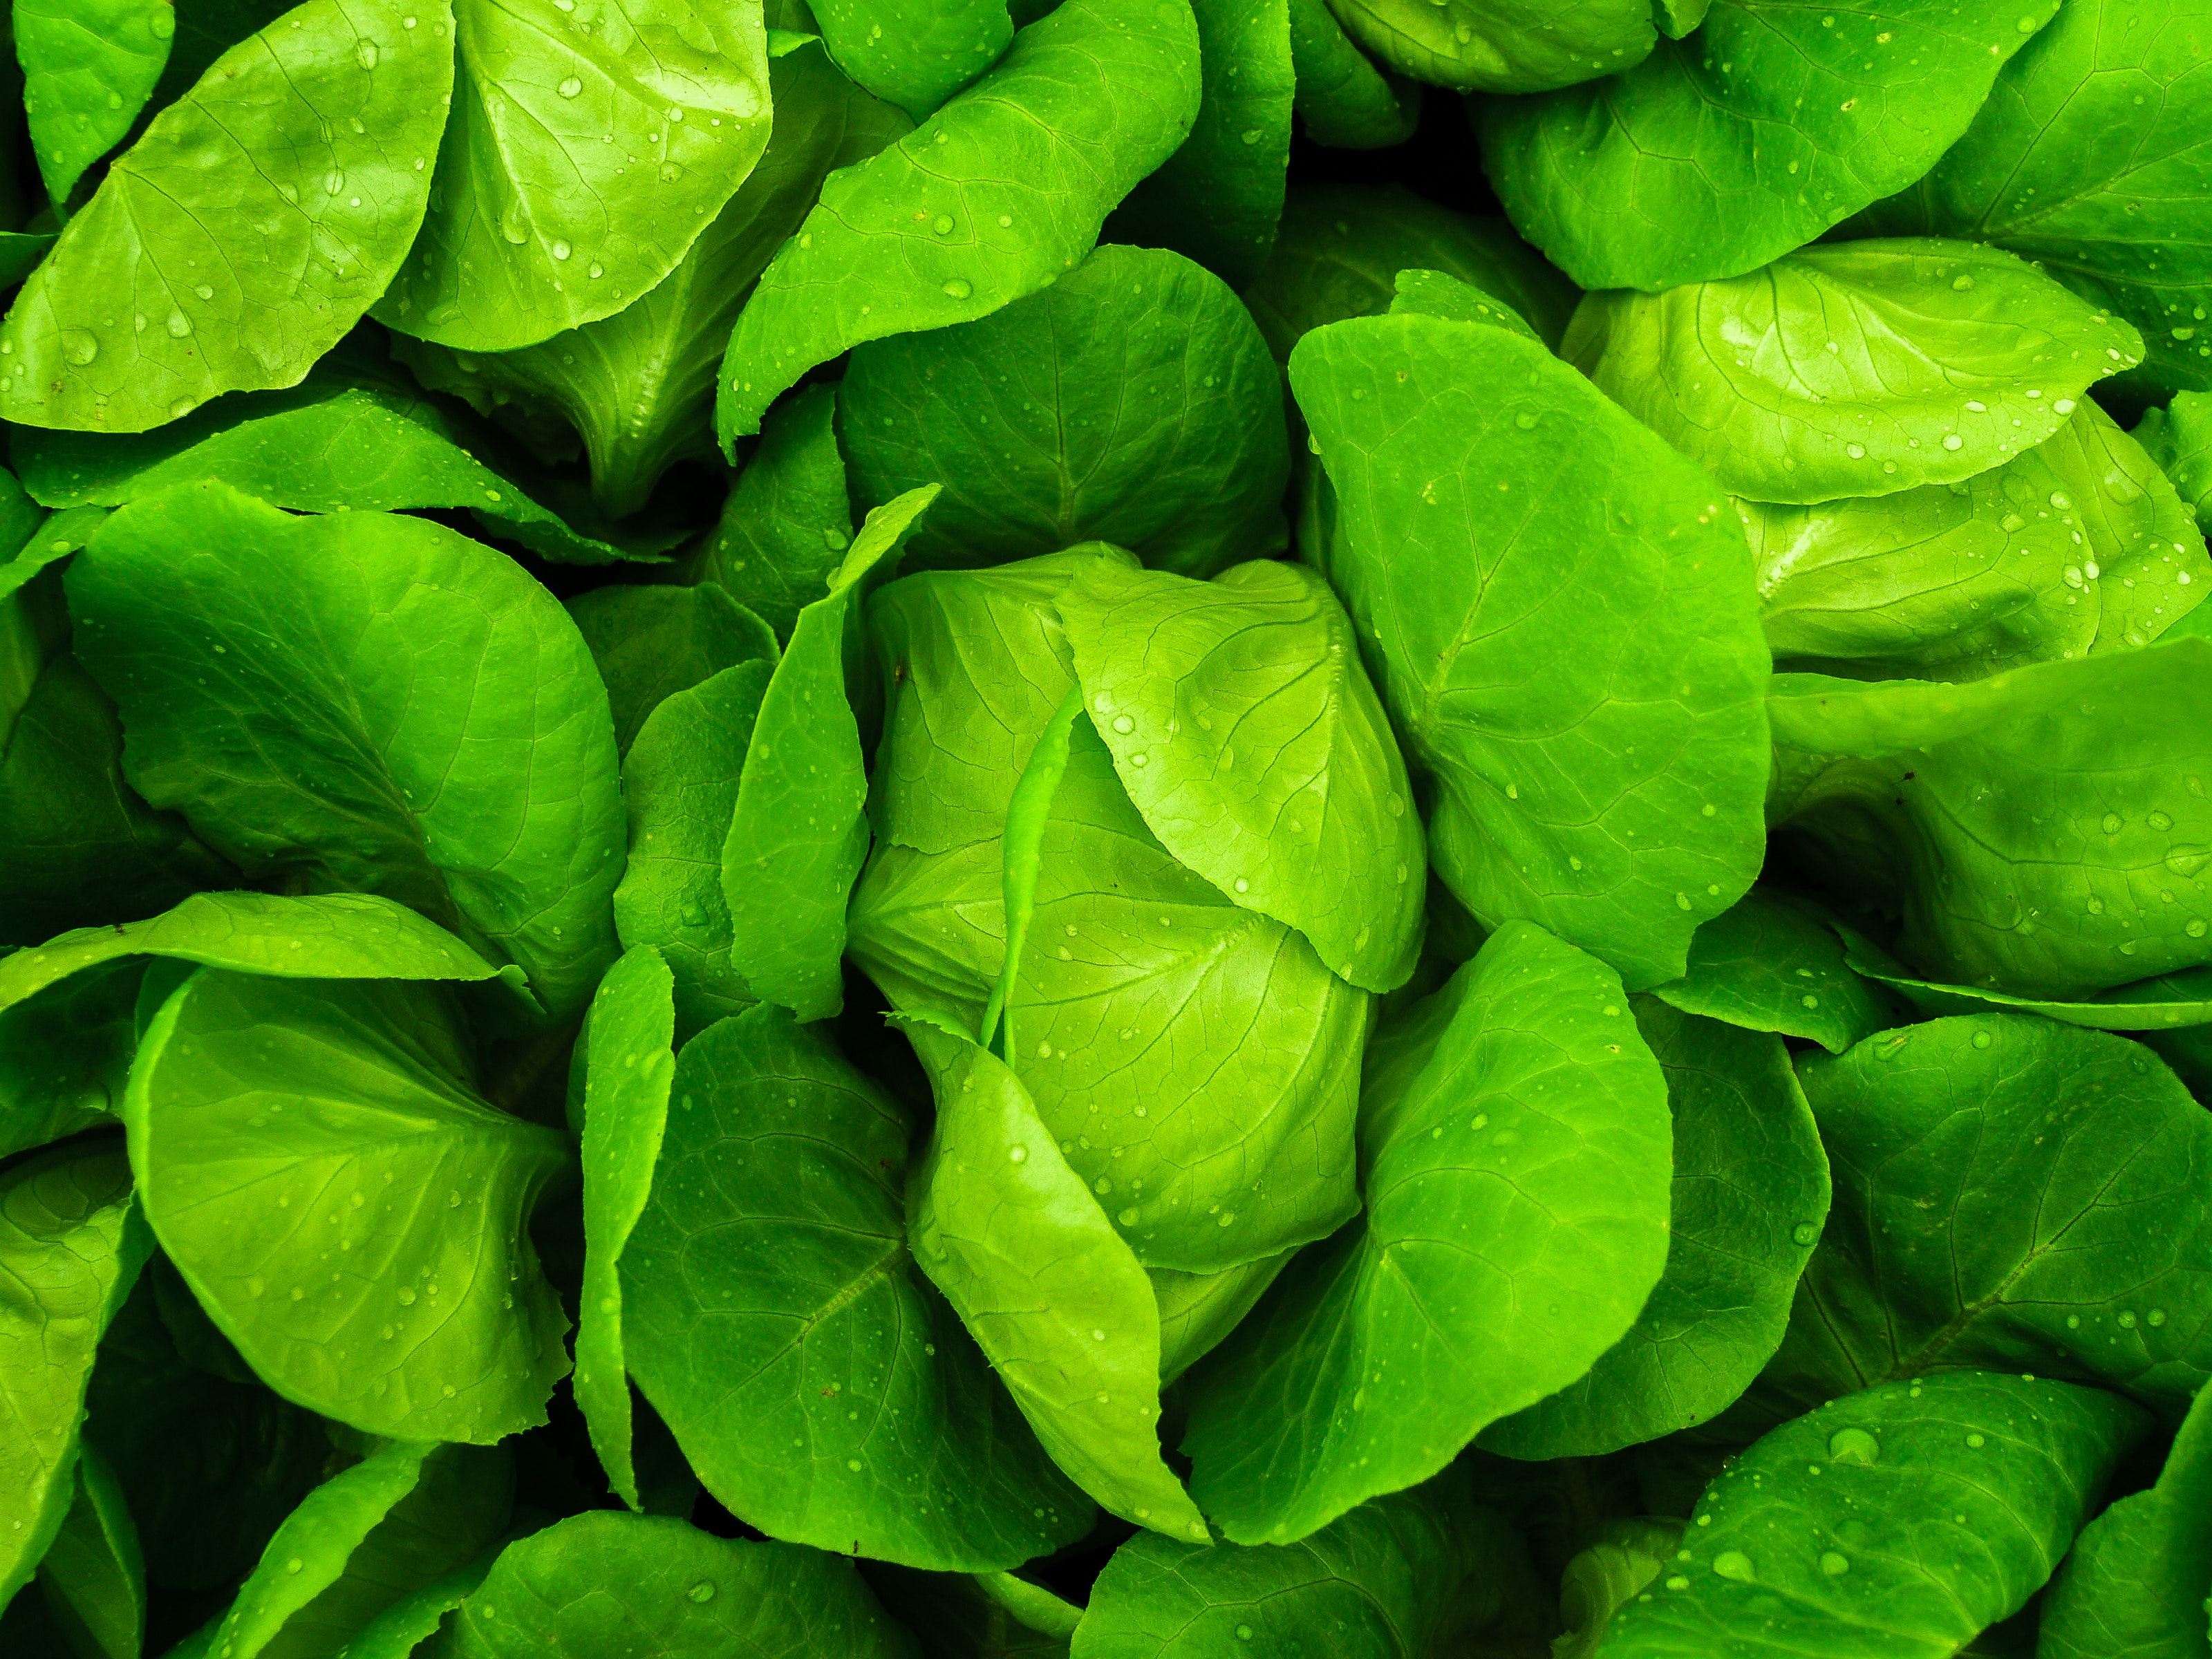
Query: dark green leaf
(1514,1143)
(1902,1521)
(1133,403)
(1343,99)
(650,642)
(1719,152)
(366,702)
(259,1108)
(93,1577)
(1771,965)
(1560,616)
(787,520)
(773,1314)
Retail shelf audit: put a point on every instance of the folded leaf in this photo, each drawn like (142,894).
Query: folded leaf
(1768,964)
(1515,1146)
(1020,170)
(1877,366)
(1560,615)
(1913,1516)
(72,1241)
(1750,138)
(1053,1296)
(1132,402)
(92,1576)
(2177,437)
(799,830)
(1435,293)
(353,450)
(680,781)
(2038,830)
(1389,1578)
(394,1522)
(787,520)
(774,1316)
(259,1108)
(366,702)
(2178,1000)
(599,1582)
(2008,1192)
(248,229)
(1750,1191)
(1246,733)
(1344,100)
(632,1058)
(528,233)
(65,1055)
(2136,1579)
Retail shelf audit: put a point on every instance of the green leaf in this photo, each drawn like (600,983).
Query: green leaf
(1501,46)
(1020,170)
(2047,843)
(72,1241)
(598,1582)
(1344,100)
(2182,998)
(1217,199)
(1514,1145)
(1021,850)
(1627,1555)
(1197,1310)
(366,702)
(393,1522)
(1750,1191)
(2008,1192)
(681,781)
(2134,1583)
(209,1465)
(914,54)
(2152,566)
(93,1577)
(257,1105)
(2177,437)
(1560,616)
(323,936)
(88,67)
(787,520)
(956,1615)
(775,1319)
(1953,581)
(638,385)
(799,830)
(1133,402)
(1770,964)
(1058,1303)
(649,642)
(2101,116)
(241,161)
(1248,737)
(1195,1062)
(1718,153)
(1342,246)
(1435,293)
(1904,1520)
(355,450)
(1948,360)
(529,197)
(64,1057)
(632,1060)
(1383,1582)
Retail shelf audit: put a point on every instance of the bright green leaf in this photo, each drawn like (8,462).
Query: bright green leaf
(914,54)
(1343,99)
(289,147)
(1768,964)
(92,1576)
(1020,170)
(1501,46)
(261,1107)
(89,66)
(1559,614)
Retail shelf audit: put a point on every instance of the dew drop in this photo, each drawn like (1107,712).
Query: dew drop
(1734,1564)
(957,288)
(1833,1564)
(1804,1232)
(1853,1446)
(569,87)
(703,1591)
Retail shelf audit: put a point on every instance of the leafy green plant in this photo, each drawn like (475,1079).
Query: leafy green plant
(1105,829)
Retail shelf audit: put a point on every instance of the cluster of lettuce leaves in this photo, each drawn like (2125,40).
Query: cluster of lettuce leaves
(1316,929)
